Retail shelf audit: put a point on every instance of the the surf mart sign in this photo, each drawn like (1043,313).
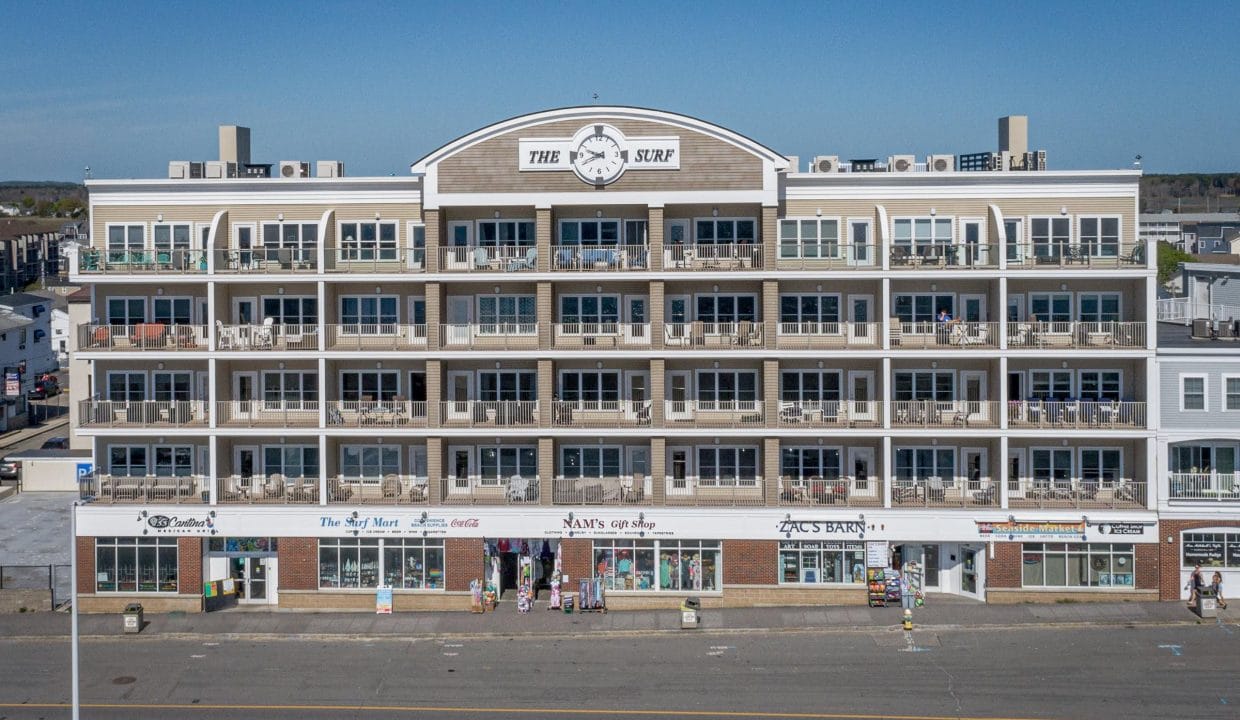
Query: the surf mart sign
(599,154)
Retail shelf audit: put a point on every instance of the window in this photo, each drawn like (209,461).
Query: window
(917,465)
(590,462)
(507,385)
(1192,392)
(922,234)
(635,232)
(127,460)
(1099,307)
(923,307)
(720,231)
(172,386)
(650,565)
(1099,385)
(368,241)
(1212,549)
(809,238)
(413,563)
(506,310)
(126,386)
(1050,236)
(1050,307)
(937,385)
(809,385)
(348,563)
(290,389)
(821,562)
(126,311)
(369,462)
(815,309)
(291,461)
(132,564)
(369,310)
(727,466)
(1231,392)
(727,386)
(493,233)
(590,232)
(299,239)
(592,309)
(367,385)
(172,310)
(1101,466)
(1051,467)
(170,236)
(125,239)
(497,464)
(1050,384)
(803,463)
(1077,565)
(726,308)
(174,460)
(595,386)
(286,310)
(417,243)
(1099,236)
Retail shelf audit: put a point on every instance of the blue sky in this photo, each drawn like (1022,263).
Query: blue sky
(125,87)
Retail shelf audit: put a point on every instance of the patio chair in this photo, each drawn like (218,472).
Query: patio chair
(517,489)
(338,491)
(390,488)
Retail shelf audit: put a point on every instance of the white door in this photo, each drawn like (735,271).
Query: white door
(1015,470)
(638,331)
(675,242)
(456,255)
(246,396)
(460,314)
(638,468)
(1014,240)
(460,469)
(638,406)
(973,384)
(678,406)
(245,468)
(676,319)
(417,318)
(974,250)
(973,308)
(678,471)
(255,579)
(861,396)
(976,472)
(861,250)
(860,472)
(972,571)
(245,311)
(459,391)
(861,328)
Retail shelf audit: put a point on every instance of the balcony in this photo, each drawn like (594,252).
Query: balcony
(850,492)
(361,260)
(1059,256)
(742,334)
(266,337)
(607,258)
(515,490)
(142,413)
(1076,493)
(1086,335)
(602,414)
(155,489)
(827,336)
(274,489)
(714,413)
(267,413)
(827,256)
(180,261)
(382,336)
(388,490)
(935,492)
(944,335)
(155,337)
(266,261)
(1205,487)
(830,414)
(574,336)
(713,258)
(1076,414)
(376,414)
(488,259)
(488,413)
(697,492)
(635,490)
(944,414)
(944,256)
(490,336)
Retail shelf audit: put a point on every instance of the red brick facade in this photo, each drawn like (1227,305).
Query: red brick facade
(462,562)
(189,565)
(86,565)
(1170,586)
(750,562)
(577,558)
(299,563)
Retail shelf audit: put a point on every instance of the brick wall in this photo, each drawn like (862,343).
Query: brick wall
(86,565)
(299,563)
(462,562)
(1170,586)
(1148,566)
(189,565)
(576,558)
(1004,570)
(750,562)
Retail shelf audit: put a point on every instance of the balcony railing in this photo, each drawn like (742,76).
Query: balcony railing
(943,335)
(604,414)
(831,491)
(159,337)
(943,256)
(383,336)
(267,413)
(273,489)
(266,260)
(515,490)
(388,490)
(1076,493)
(141,413)
(830,413)
(945,414)
(733,256)
(1070,414)
(600,258)
(488,259)
(268,336)
(375,260)
(490,336)
(826,256)
(709,492)
(116,489)
(628,490)
(1058,255)
(742,334)
(487,413)
(571,336)
(938,492)
(1076,335)
(180,261)
(827,336)
(714,413)
(376,413)
(1205,487)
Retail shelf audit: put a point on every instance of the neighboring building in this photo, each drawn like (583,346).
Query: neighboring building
(26,257)
(33,348)
(634,338)
(59,322)
(1197,233)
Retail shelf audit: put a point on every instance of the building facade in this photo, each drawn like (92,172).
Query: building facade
(630,338)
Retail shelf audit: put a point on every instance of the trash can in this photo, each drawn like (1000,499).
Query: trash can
(133,618)
(691,613)
(1207,604)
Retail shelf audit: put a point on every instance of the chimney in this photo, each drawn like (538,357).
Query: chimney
(1014,135)
(235,145)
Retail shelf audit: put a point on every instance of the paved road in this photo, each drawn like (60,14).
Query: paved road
(1116,672)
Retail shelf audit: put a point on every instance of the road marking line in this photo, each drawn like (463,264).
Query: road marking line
(196,657)
(1175,649)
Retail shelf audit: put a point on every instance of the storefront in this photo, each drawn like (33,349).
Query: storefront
(252,563)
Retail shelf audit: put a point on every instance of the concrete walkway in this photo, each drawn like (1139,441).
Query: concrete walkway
(506,621)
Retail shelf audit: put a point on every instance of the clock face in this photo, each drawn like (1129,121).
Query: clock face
(598,158)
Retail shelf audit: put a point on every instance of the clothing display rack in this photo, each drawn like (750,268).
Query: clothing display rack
(592,596)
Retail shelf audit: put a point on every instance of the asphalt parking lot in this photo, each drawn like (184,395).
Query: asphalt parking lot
(34,530)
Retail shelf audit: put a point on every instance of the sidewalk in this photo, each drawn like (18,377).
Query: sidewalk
(506,621)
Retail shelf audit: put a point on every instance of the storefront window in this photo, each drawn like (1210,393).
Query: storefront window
(821,562)
(659,565)
(349,563)
(625,564)
(242,544)
(136,565)
(1212,549)
(413,564)
(1078,565)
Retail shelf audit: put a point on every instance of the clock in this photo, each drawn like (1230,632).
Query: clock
(597,155)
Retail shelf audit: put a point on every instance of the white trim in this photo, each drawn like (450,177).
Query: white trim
(1205,391)
(1223,387)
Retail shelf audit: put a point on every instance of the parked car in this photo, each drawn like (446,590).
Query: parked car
(45,387)
(9,469)
(56,443)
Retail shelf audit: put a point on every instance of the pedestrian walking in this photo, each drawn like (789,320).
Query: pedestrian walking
(1195,583)
(1216,584)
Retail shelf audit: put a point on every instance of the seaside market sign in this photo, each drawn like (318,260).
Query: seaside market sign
(599,154)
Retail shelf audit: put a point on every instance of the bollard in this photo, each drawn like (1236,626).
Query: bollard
(908,620)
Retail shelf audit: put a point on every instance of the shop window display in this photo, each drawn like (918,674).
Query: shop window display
(349,563)
(413,564)
(821,562)
(1077,565)
(136,565)
(648,565)
(242,544)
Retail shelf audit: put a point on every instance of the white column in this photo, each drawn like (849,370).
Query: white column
(1153,474)
(1003,318)
(214,342)
(884,307)
(1003,470)
(887,475)
(1003,394)
(1151,312)
(213,468)
(323,385)
(323,469)
(885,384)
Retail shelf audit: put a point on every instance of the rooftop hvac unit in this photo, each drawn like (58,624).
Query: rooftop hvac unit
(901,163)
(197,170)
(219,169)
(294,169)
(826,164)
(178,170)
(329,169)
(1035,160)
(941,163)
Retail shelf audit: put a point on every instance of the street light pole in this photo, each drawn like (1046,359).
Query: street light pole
(73,601)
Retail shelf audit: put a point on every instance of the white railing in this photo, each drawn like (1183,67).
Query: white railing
(1076,493)
(602,335)
(944,492)
(1076,414)
(490,336)
(375,259)
(600,258)
(143,336)
(733,256)
(376,413)
(830,413)
(383,336)
(267,413)
(743,334)
(104,487)
(490,258)
(515,490)
(815,490)
(601,413)
(1056,255)
(1207,486)
(489,413)
(266,260)
(710,492)
(944,414)
(268,336)
(386,490)
(826,256)
(141,413)
(627,490)
(714,413)
(275,488)
(826,335)
(955,334)
(1077,334)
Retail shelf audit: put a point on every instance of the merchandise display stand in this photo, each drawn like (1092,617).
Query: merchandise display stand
(556,600)
(876,584)
(916,577)
(475,596)
(592,596)
(525,584)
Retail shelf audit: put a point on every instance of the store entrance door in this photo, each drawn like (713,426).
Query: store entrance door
(971,577)
(254,579)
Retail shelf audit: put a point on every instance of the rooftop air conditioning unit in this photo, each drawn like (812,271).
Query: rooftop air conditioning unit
(901,163)
(219,169)
(294,169)
(826,164)
(329,169)
(178,170)
(941,163)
